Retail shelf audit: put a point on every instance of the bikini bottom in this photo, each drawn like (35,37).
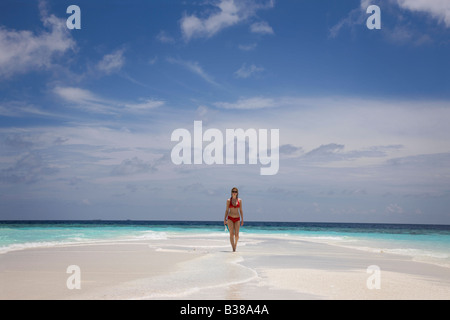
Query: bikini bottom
(234,219)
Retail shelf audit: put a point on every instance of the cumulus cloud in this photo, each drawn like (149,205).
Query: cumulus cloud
(24,51)
(112,62)
(401,31)
(227,13)
(437,9)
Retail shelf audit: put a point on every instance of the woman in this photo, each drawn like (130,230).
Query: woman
(234,206)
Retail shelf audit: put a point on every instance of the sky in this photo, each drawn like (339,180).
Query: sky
(87,114)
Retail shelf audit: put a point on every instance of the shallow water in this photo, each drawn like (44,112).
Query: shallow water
(430,243)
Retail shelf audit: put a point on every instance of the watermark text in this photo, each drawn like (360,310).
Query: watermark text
(374,280)
(221,149)
(74,280)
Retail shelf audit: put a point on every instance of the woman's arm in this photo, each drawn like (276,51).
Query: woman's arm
(226,212)
(242,212)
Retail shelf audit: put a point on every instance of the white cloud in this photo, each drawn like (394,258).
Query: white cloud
(228,13)
(147,104)
(247,71)
(75,94)
(247,47)
(401,32)
(438,9)
(354,17)
(90,102)
(362,135)
(261,27)
(371,130)
(84,99)
(24,51)
(112,62)
(23,109)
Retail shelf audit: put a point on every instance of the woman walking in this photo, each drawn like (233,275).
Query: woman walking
(232,217)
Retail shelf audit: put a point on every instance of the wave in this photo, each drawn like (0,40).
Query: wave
(36,245)
(426,255)
(81,239)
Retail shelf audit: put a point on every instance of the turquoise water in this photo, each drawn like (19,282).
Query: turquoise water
(423,242)
(27,235)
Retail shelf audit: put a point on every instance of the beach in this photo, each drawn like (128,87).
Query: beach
(200,266)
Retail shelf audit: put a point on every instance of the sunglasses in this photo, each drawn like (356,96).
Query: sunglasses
(234,192)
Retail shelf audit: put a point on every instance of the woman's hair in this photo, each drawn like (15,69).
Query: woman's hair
(237,194)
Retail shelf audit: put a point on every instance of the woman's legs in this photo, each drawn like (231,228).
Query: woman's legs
(236,233)
(231,229)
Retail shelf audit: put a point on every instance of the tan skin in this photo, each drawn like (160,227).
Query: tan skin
(234,226)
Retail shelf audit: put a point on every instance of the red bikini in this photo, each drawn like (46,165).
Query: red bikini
(237,204)
(234,219)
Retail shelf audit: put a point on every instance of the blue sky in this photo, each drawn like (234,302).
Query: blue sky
(86,115)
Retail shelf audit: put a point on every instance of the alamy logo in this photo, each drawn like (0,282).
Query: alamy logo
(74,280)
(213,153)
(374,281)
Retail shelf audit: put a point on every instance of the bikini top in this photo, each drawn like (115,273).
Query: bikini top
(238,204)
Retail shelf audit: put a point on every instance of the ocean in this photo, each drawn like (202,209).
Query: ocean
(426,243)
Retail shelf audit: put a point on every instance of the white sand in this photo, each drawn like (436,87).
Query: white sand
(352,284)
(199,267)
(42,273)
